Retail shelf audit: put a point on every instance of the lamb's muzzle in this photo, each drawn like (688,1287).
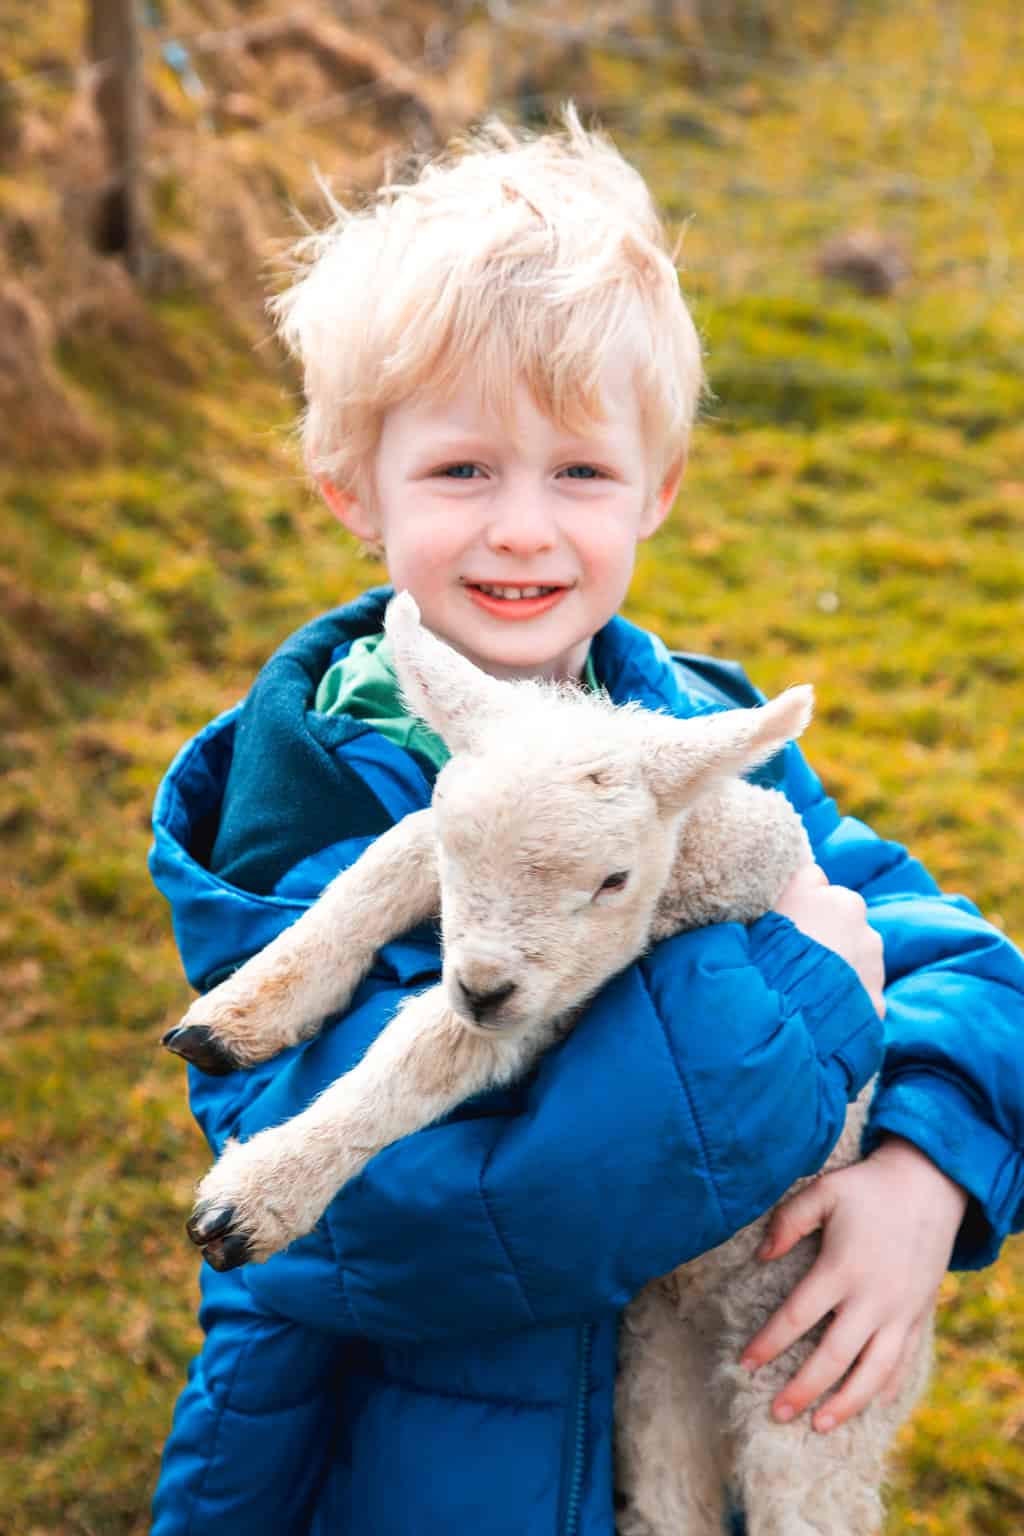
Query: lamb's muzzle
(483,1005)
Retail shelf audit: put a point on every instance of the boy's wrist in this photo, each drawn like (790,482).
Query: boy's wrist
(921,1176)
(919,1185)
(940,1116)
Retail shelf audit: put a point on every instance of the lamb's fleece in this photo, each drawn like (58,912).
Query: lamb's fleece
(565,835)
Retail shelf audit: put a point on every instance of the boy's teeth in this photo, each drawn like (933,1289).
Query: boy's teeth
(514,592)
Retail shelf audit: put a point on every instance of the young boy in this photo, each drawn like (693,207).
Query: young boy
(501,377)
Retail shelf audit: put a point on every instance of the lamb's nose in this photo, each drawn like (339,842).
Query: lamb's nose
(480,1004)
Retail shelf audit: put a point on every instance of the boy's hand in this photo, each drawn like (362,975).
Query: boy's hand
(889,1227)
(837,918)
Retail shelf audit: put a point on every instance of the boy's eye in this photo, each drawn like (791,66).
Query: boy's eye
(458,471)
(584,472)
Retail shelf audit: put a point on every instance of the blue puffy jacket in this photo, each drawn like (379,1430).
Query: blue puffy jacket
(438,1356)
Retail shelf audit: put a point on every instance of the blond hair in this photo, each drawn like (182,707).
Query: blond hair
(534,258)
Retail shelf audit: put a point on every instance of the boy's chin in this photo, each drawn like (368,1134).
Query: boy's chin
(528,657)
(554,644)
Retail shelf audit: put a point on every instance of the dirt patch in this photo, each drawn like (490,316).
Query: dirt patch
(40,417)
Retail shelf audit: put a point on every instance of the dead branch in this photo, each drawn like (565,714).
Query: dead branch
(342,54)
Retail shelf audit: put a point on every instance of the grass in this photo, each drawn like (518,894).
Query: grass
(853,516)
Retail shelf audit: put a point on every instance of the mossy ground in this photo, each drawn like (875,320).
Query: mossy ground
(853,516)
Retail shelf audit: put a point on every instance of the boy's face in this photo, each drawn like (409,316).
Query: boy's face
(517,543)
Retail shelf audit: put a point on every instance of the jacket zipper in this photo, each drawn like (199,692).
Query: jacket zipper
(572,1508)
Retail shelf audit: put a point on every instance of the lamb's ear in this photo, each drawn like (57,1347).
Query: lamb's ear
(688,757)
(448,692)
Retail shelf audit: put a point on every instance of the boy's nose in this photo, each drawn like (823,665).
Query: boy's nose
(521,525)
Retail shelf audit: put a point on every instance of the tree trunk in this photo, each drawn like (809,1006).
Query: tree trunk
(114,45)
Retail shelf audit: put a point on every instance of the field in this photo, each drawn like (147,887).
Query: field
(853,516)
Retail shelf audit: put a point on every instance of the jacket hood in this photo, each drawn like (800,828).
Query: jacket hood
(236,799)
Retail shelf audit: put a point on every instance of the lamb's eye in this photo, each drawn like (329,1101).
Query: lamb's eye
(614,882)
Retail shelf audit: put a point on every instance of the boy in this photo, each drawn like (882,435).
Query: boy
(500,379)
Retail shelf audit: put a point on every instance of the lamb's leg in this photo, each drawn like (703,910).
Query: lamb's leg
(310,970)
(264,1193)
(794,1481)
(791,1480)
(671,1465)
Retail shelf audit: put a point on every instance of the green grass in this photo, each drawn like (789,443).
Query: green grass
(853,516)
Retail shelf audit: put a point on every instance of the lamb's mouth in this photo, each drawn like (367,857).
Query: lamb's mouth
(489,1027)
(496,1023)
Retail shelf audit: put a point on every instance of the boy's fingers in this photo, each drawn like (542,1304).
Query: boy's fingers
(891,1389)
(872,1371)
(835,1354)
(807,1304)
(797,1217)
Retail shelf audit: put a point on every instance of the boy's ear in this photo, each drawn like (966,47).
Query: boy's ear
(349,511)
(661,504)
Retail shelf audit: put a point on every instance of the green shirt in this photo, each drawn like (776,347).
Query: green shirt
(363,684)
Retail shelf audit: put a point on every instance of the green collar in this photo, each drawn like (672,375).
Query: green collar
(363,685)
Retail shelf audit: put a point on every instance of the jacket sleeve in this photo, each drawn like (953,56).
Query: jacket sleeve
(951,1081)
(698,1085)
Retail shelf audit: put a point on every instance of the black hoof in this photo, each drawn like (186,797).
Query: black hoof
(209,1221)
(197,1044)
(210,1228)
(227,1253)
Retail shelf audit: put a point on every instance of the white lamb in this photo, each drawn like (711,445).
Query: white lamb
(565,836)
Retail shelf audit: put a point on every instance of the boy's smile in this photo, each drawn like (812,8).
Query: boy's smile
(509,602)
(517,538)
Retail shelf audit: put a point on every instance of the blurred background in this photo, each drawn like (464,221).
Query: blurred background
(847,175)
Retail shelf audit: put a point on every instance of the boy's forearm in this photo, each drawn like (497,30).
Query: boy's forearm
(951,1081)
(965,1111)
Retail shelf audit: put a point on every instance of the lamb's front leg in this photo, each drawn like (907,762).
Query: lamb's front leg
(264,1193)
(283,994)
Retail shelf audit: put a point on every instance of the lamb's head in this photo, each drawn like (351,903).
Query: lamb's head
(558,818)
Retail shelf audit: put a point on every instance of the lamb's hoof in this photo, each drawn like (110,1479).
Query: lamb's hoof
(198,1044)
(210,1228)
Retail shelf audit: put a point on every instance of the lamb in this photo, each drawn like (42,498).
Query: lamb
(565,835)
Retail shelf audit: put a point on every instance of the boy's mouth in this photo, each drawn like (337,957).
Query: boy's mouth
(514,602)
